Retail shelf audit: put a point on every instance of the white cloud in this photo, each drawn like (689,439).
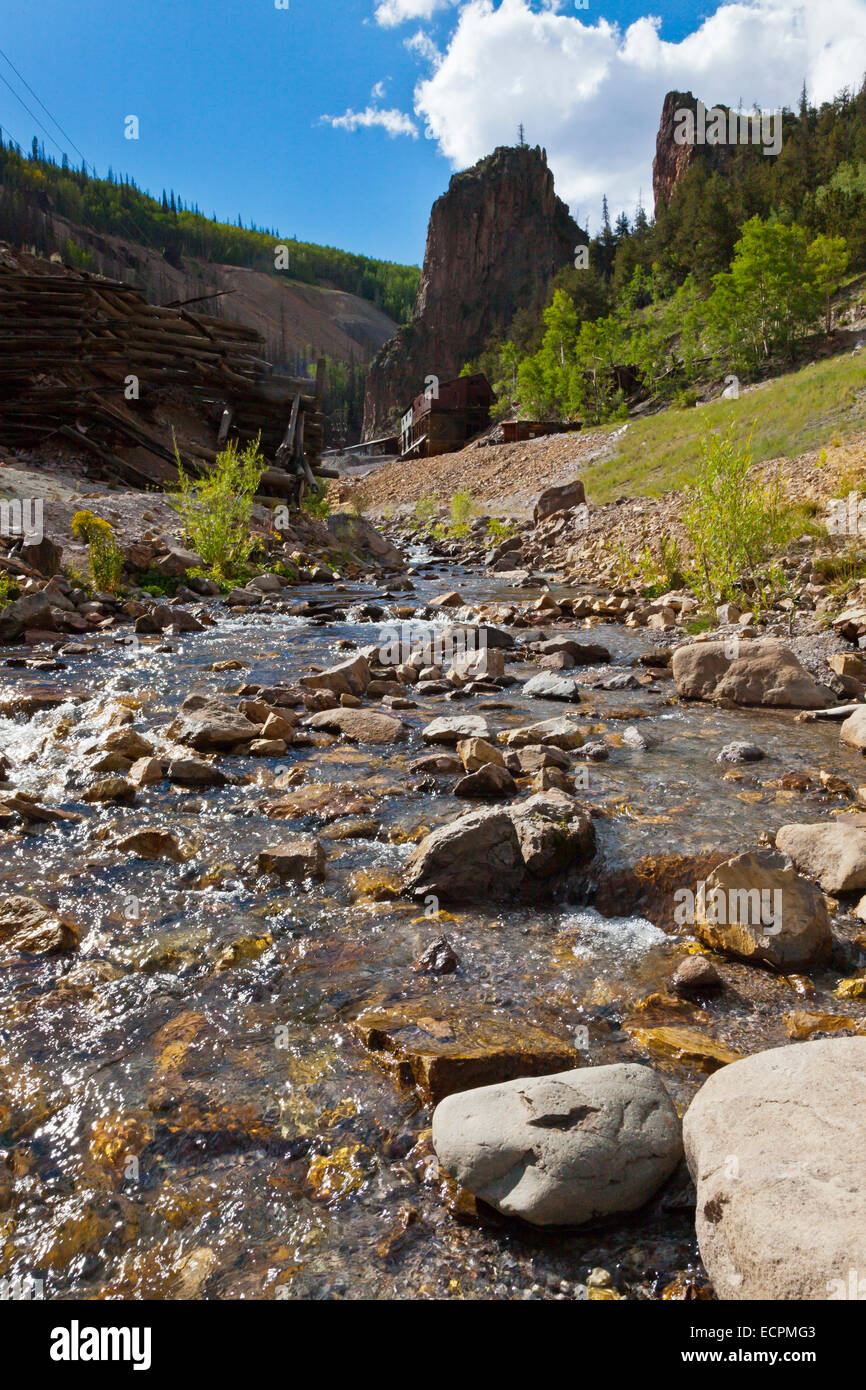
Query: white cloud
(423,47)
(390,13)
(592,93)
(378,91)
(393,121)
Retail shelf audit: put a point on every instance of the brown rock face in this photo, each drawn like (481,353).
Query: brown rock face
(495,241)
(673,161)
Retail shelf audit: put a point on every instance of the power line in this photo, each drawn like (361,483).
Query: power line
(42,104)
(32,114)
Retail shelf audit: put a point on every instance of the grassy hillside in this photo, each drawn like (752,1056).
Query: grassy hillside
(804,410)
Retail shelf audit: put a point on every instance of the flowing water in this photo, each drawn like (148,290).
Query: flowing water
(187,1105)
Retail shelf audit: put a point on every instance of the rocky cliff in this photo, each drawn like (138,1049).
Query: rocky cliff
(494,243)
(673,161)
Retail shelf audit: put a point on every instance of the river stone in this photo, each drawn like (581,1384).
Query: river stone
(360,535)
(565,1149)
(486,664)
(834,854)
(547,685)
(470,859)
(761,673)
(25,925)
(559,499)
(554,831)
(151,844)
(489,780)
(300,858)
(555,733)
(210,724)
(358,725)
(744,922)
(194,772)
(741,753)
(475,752)
(31,611)
(775,1146)
(582,653)
(853,730)
(453,730)
(349,678)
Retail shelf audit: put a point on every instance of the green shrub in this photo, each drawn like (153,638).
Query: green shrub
(106,557)
(317,505)
(499,531)
(425,512)
(733,519)
(462,510)
(216,510)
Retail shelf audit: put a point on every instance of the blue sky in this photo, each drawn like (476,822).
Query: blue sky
(237,99)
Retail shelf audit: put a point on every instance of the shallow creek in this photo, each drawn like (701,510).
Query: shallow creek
(191,1111)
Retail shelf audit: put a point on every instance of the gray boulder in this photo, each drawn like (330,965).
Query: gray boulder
(832,853)
(747,673)
(563,1149)
(209,724)
(559,499)
(775,1146)
(757,907)
(549,686)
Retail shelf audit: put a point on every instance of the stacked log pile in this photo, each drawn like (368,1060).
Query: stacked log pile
(90,363)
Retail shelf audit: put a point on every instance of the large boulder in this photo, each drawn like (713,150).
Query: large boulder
(361,537)
(470,859)
(547,685)
(358,725)
(44,556)
(775,1146)
(747,673)
(31,611)
(834,854)
(177,562)
(853,730)
(210,724)
(498,853)
(559,499)
(757,907)
(564,1149)
(349,678)
(452,730)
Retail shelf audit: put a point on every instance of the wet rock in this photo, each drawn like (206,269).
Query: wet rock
(801,1025)
(438,764)
(441,1050)
(581,653)
(440,958)
(535,758)
(564,1149)
(295,859)
(834,854)
(695,975)
(33,699)
(549,686)
(487,664)
(756,907)
(684,1046)
(787,1221)
(741,753)
(358,725)
(455,730)
(553,733)
(469,860)
(321,801)
(474,753)
(354,828)
(559,499)
(450,600)
(489,780)
(111,789)
(128,743)
(639,739)
(349,678)
(152,844)
(194,772)
(210,724)
(25,925)
(747,673)
(491,854)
